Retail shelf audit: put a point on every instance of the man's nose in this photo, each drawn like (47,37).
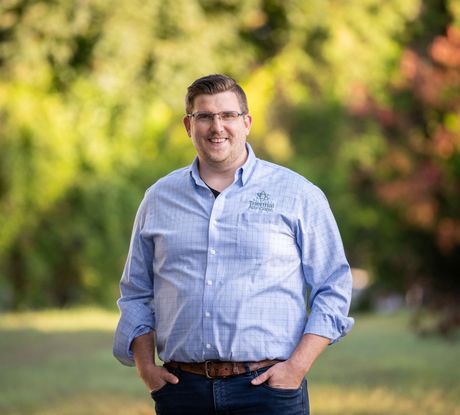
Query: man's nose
(216,123)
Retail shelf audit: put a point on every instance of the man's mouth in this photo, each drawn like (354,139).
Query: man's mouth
(217,140)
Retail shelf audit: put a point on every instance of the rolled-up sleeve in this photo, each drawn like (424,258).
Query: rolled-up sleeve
(326,270)
(136,287)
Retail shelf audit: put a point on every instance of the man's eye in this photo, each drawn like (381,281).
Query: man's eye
(228,115)
(204,117)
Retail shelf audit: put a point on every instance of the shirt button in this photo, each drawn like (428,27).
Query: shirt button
(213,251)
(208,346)
(209,282)
(207,314)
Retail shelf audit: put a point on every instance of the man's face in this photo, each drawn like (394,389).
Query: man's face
(219,143)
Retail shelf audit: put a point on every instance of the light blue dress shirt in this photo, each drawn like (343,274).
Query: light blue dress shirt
(240,277)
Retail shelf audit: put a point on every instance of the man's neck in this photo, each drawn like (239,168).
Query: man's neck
(218,179)
(217,176)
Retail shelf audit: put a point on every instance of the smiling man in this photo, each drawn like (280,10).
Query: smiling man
(226,257)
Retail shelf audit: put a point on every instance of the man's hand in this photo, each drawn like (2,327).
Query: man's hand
(283,375)
(155,377)
(290,373)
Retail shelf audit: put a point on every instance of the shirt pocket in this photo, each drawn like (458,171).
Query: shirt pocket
(258,235)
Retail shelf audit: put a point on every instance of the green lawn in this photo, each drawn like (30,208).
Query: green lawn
(60,363)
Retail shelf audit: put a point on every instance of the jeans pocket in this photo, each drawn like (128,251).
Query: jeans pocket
(158,392)
(175,372)
(166,386)
(281,391)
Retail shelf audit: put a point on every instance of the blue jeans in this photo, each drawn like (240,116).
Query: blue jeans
(198,395)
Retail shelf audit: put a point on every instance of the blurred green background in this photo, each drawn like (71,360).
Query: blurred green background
(361,97)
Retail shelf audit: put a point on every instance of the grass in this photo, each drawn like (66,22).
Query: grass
(60,363)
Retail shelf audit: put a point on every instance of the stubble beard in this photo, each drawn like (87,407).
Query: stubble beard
(225,158)
(230,157)
(217,159)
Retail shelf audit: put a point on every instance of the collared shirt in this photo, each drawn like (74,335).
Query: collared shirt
(240,277)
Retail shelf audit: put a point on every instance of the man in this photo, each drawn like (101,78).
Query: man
(222,257)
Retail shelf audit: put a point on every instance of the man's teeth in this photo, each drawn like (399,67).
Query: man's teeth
(217,140)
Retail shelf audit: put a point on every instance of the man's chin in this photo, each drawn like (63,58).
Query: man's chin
(216,156)
(217,160)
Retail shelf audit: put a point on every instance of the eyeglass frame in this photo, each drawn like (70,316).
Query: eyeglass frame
(194,114)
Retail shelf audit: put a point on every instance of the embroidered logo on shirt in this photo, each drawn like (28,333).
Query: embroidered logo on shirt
(262,202)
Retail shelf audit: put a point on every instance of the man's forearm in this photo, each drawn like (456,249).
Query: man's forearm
(307,351)
(143,348)
(155,377)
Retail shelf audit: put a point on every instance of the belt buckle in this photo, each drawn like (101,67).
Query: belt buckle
(206,369)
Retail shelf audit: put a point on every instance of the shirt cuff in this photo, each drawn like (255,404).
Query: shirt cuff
(330,326)
(138,331)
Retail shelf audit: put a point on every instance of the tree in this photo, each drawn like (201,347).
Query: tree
(417,176)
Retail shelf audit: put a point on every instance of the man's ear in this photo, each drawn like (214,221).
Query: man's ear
(247,122)
(186,121)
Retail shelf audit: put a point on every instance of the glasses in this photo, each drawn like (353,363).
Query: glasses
(208,117)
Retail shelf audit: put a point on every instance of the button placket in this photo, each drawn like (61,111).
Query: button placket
(210,277)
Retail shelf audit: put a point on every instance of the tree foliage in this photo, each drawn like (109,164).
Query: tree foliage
(360,97)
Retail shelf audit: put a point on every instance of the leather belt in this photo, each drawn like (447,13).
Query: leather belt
(217,369)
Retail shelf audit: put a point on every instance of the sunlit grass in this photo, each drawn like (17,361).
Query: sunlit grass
(380,401)
(75,319)
(59,363)
(384,368)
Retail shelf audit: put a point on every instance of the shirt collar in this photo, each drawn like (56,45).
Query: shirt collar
(249,165)
(196,173)
(244,171)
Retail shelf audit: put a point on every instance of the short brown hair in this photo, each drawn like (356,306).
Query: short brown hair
(214,84)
